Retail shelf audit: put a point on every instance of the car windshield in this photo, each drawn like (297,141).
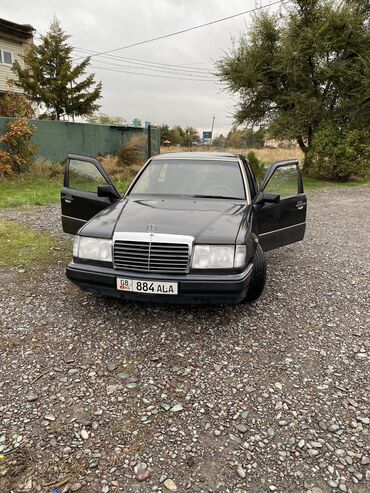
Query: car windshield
(195,178)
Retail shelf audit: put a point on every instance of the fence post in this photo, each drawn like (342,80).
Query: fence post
(149,131)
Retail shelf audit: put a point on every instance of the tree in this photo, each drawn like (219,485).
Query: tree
(219,141)
(50,77)
(178,135)
(191,135)
(302,68)
(165,132)
(245,138)
(104,119)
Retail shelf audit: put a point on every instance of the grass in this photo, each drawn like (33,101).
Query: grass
(28,190)
(20,245)
(41,185)
(315,184)
(284,182)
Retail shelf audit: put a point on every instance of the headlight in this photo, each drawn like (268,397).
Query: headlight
(218,256)
(92,248)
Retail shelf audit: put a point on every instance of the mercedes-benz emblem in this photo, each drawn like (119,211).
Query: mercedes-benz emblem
(151,228)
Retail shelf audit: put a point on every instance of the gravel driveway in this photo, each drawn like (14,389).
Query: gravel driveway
(98,395)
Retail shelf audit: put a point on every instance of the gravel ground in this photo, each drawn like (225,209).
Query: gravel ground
(97,395)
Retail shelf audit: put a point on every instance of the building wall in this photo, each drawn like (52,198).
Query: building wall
(17,48)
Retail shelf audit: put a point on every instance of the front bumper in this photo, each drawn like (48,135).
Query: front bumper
(192,288)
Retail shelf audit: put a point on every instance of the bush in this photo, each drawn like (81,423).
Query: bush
(258,166)
(42,168)
(132,152)
(338,153)
(6,165)
(118,171)
(17,148)
(16,106)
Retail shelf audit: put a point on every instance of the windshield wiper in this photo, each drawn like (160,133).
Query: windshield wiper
(215,197)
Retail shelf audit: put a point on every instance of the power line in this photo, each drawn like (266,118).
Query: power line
(195,63)
(150,65)
(157,76)
(155,69)
(165,70)
(140,61)
(169,35)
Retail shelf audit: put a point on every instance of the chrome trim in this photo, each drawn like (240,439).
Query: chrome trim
(282,229)
(246,182)
(75,218)
(156,238)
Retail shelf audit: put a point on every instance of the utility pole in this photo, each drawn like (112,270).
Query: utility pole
(213,124)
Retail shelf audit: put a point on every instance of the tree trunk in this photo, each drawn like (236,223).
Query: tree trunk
(301,144)
(310,133)
(304,148)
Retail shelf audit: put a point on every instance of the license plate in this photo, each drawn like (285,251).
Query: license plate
(148,287)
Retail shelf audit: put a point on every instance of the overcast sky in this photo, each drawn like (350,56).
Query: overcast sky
(104,25)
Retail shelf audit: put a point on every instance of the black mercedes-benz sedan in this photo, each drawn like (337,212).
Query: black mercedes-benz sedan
(192,227)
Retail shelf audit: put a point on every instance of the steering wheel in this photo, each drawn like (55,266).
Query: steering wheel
(220,190)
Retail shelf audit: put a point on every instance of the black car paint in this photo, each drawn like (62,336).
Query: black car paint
(210,221)
(194,288)
(79,206)
(284,222)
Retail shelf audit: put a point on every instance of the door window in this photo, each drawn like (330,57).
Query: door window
(284,181)
(84,175)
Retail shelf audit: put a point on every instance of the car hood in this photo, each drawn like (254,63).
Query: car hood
(214,221)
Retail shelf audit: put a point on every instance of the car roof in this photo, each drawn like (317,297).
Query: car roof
(228,156)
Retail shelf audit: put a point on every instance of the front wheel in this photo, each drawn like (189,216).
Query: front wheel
(258,280)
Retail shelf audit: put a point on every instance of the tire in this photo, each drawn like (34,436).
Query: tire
(258,280)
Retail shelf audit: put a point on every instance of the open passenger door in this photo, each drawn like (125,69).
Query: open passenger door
(280,206)
(87,190)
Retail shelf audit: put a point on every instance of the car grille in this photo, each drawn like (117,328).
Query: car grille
(151,256)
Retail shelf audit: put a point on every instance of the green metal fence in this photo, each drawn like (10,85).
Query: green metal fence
(56,139)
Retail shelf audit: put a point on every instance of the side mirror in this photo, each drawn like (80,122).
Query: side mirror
(107,191)
(272,198)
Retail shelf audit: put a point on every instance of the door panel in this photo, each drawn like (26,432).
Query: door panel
(79,197)
(282,223)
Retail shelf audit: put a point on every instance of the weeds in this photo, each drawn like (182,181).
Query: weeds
(41,168)
(268,155)
(121,174)
(132,152)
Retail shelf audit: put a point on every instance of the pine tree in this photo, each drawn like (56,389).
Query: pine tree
(51,79)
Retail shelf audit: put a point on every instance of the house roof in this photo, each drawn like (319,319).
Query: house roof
(12,28)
